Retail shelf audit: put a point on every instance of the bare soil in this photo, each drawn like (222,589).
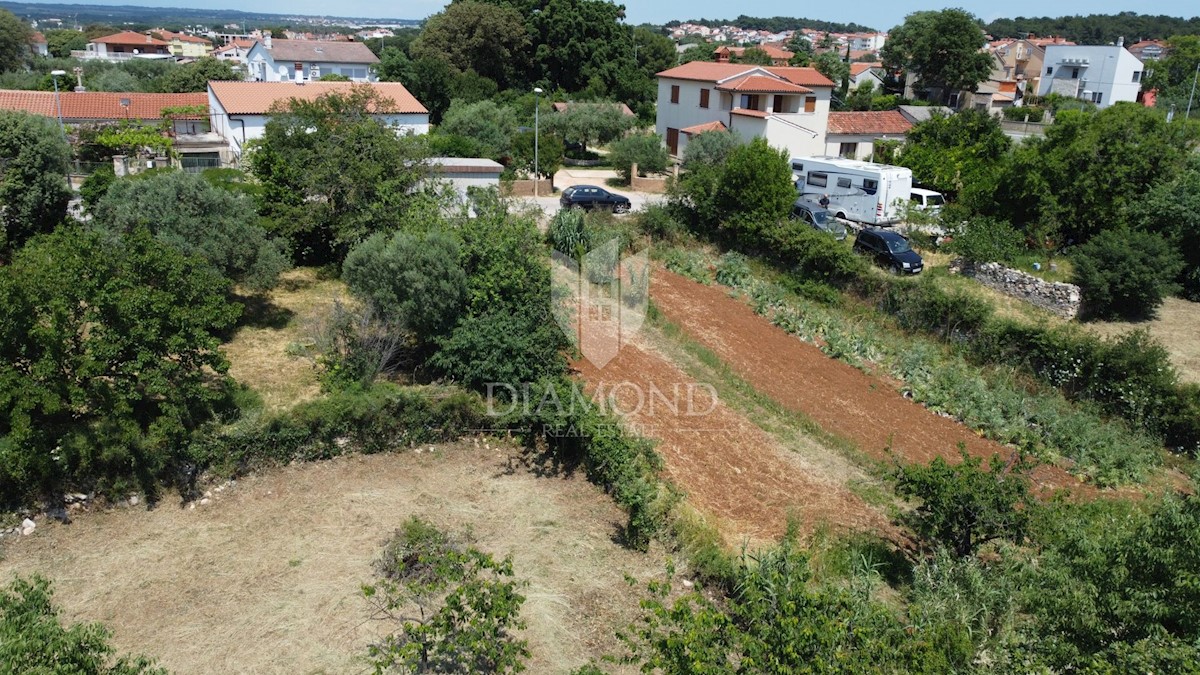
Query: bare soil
(844,401)
(265,578)
(734,472)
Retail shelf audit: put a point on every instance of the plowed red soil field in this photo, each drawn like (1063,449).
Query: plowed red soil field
(733,472)
(841,399)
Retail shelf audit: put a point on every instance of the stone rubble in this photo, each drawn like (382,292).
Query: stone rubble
(1064,300)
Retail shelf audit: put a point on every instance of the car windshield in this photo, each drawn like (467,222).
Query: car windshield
(821,217)
(935,200)
(898,245)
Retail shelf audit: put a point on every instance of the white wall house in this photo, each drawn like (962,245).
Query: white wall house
(861,73)
(1100,74)
(240,110)
(306,60)
(787,106)
(853,134)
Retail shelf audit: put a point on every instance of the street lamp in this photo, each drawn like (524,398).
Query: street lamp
(1188,114)
(58,99)
(537,100)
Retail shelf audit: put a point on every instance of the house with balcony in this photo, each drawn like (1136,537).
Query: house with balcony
(184,45)
(853,134)
(789,107)
(125,45)
(1149,50)
(778,55)
(272,60)
(239,111)
(1101,74)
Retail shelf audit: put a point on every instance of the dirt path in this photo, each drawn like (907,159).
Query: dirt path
(266,578)
(841,399)
(733,471)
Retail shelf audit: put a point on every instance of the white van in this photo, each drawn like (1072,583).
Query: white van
(864,192)
(927,200)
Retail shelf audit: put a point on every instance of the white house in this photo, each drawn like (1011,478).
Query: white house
(240,110)
(861,72)
(853,134)
(787,106)
(1100,74)
(296,60)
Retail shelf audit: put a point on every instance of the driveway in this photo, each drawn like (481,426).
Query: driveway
(567,177)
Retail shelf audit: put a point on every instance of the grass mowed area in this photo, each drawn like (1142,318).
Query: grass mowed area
(1177,327)
(287,315)
(266,577)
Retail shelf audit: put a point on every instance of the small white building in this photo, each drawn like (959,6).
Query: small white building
(789,107)
(463,173)
(1100,74)
(307,60)
(852,135)
(240,110)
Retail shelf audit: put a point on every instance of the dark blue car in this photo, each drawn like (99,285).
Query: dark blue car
(889,249)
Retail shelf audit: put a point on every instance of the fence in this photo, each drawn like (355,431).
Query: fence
(198,164)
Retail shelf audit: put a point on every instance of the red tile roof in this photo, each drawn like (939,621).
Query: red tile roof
(560,106)
(130,38)
(868,123)
(771,50)
(710,71)
(182,37)
(37,38)
(749,112)
(256,98)
(859,68)
(702,128)
(99,105)
(763,84)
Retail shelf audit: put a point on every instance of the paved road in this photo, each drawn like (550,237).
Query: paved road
(567,177)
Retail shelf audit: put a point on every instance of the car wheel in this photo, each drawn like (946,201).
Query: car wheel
(621,208)
(895,269)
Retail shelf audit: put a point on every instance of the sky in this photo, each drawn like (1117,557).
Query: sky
(878,14)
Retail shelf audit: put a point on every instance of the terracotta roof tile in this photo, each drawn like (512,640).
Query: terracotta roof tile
(702,128)
(309,51)
(711,71)
(99,105)
(256,98)
(130,38)
(859,68)
(748,112)
(763,84)
(36,38)
(560,106)
(182,37)
(867,123)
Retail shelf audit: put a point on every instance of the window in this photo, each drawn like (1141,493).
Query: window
(810,104)
(1137,76)
(1049,70)
(818,179)
(674,93)
(1074,73)
(1097,96)
(845,182)
(704,98)
(798,166)
(777,104)
(953,102)
(870,186)
(298,67)
(749,101)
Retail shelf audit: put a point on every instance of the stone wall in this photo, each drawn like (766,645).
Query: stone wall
(1062,299)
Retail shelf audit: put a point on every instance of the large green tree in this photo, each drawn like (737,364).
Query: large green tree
(62,42)
(958,153)
(756,186)
(187,212)
(108,360)
(590,123)
(333,174)
(943,49)
(488,39)
(490,126)
(195,76)
(14,41)
(1172,209)
(33,177)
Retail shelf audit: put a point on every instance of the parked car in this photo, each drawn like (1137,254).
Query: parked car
(927,200)
(889,249)
(818,217)
(590,197)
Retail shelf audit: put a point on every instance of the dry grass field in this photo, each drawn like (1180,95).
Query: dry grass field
(265,578)
(1177,327)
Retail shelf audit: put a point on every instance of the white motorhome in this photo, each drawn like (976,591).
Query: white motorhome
(864,192)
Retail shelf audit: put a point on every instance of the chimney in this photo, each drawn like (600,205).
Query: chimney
(267,39)
(1121,41)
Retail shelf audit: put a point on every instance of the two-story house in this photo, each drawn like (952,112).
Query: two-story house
(787,106)
(184,45)
(778,55)
(307,60)
(240,110)
(124,45)
(1102,74)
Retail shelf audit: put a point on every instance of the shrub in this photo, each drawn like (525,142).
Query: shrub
(733,269)
(988,240)
(813,255)
(1126,274)
(710,148)
(925,306)
(646,150)
(356,345)
(964,506)
(1034,113)
(416,281)
(755,189)
(659,221)
(33,639)
(503,345)
(95,186)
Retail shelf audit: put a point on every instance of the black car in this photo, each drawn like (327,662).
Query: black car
(591,197)
(818,217)
(890,250)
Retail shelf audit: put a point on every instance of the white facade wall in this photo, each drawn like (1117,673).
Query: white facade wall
(1107,73)
(262,67)
(780,131)
(866,144)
